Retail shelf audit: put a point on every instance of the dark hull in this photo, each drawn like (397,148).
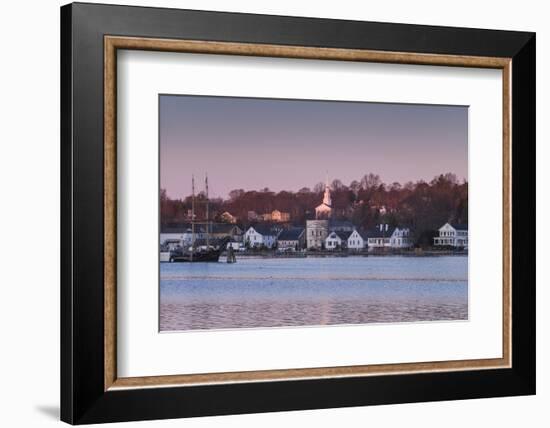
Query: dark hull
(203,256)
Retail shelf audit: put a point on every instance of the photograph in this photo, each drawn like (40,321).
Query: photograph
(294,213)
(269,210)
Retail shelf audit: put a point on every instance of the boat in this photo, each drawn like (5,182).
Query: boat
(197,255)
(205,249)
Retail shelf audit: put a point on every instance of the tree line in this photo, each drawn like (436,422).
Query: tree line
(422,206)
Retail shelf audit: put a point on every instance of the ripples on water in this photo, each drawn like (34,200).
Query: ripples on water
(312,291)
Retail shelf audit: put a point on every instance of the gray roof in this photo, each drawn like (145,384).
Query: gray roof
(264,230)
(362,233)
(459,226)
(341,234)
(291,234)
(336,224)
(375,232)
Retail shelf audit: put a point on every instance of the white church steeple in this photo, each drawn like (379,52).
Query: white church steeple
(325,209)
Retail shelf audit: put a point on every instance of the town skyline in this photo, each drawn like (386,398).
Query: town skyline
(364,182)
(285,145)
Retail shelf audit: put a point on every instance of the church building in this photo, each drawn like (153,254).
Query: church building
(324,210)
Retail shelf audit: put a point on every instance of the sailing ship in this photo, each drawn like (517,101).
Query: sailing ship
(205,249)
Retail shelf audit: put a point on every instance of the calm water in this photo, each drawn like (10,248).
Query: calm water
(312,291)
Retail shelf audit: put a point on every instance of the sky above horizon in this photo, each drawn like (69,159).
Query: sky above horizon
(253,143)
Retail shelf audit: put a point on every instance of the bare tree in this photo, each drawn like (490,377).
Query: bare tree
(319,188)
(370,181)
(337,184)
(355,186)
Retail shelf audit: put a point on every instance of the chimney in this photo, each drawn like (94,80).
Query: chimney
(386,227)
(381,227)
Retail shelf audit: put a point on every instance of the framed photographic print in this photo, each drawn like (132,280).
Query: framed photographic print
(264,213)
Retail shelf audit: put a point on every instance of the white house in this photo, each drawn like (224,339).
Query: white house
(256,236)
(452,235)
(401,238)
(357,240)
(336,240)
(380,236)
(385,236)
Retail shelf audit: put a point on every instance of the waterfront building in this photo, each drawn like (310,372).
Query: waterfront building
(452,235)
(337,240)
(385,236)
(401,238)
(222,230)
(316,233)
(379,236)
(259,235)
(357,240)
(181,232)
(227,217)
(291,239)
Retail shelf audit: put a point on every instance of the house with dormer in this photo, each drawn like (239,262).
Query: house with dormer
(452,235)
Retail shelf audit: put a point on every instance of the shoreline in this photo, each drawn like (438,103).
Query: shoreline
(328,254)
(333,254)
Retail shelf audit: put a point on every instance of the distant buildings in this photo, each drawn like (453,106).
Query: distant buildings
(221,230)
(316,233)
(357,241)
(379,236)
(452,235)
(385,236)
(261,235)
(275,216)
(291,239)
(181,233)
(279,216)
(401,238)
(275,230)
(337,240)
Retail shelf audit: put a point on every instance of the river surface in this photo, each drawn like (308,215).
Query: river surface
(258,292)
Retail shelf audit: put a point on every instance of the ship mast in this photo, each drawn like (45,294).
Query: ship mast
(207,213)
(192,216)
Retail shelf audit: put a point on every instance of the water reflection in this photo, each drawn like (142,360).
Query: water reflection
(304,292)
